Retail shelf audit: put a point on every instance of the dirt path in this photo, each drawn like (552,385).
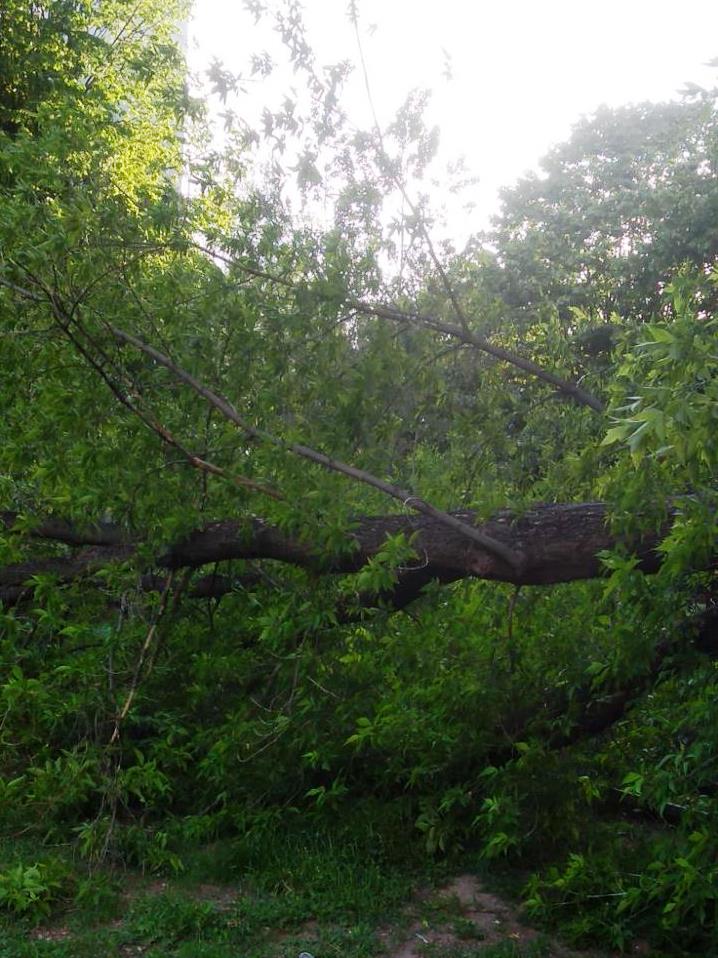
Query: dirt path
(478,919)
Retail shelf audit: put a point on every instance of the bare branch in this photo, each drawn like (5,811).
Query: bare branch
(497,549)
(462,333)
(144,652)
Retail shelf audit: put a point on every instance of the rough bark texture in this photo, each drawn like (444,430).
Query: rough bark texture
(557,543)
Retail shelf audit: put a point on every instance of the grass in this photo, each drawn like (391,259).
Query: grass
(505,949)
(267,896)
(270,895)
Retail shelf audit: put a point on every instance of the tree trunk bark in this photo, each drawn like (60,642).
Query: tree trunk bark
(557,543)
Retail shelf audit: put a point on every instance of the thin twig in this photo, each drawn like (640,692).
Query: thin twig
(67,325)
(122,714)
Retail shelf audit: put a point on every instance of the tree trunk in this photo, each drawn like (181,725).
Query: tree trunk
(556,543)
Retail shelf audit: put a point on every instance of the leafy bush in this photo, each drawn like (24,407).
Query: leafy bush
(30,891)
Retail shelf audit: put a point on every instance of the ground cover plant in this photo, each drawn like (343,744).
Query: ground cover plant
(296,543)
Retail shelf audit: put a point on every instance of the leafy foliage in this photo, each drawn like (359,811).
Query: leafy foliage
(140,718)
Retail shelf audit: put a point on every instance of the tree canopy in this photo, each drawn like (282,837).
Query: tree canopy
(293,516)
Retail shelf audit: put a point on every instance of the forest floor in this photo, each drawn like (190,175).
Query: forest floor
(130,916)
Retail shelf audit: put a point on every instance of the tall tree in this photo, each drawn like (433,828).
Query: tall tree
(614,211)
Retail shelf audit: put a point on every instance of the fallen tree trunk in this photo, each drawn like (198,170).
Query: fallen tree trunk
(557,543)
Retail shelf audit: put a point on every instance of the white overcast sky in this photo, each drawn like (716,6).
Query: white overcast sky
(524,71)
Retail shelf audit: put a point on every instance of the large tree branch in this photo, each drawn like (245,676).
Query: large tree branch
(560,543)
(60,530)
(17,585)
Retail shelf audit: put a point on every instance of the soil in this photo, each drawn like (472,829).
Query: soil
(482,919)
(461,915)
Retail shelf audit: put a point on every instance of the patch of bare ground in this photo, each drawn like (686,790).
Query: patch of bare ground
(309,932)
(221,896)
(59,933)
(467,917)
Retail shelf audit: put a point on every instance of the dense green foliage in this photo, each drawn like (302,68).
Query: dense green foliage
(569,729)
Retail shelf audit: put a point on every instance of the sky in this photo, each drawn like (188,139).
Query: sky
(522,71)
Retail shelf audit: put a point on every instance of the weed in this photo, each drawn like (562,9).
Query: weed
(31,890)
(171,918)
(465,928)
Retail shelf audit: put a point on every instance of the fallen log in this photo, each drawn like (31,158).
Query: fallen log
(557,543)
